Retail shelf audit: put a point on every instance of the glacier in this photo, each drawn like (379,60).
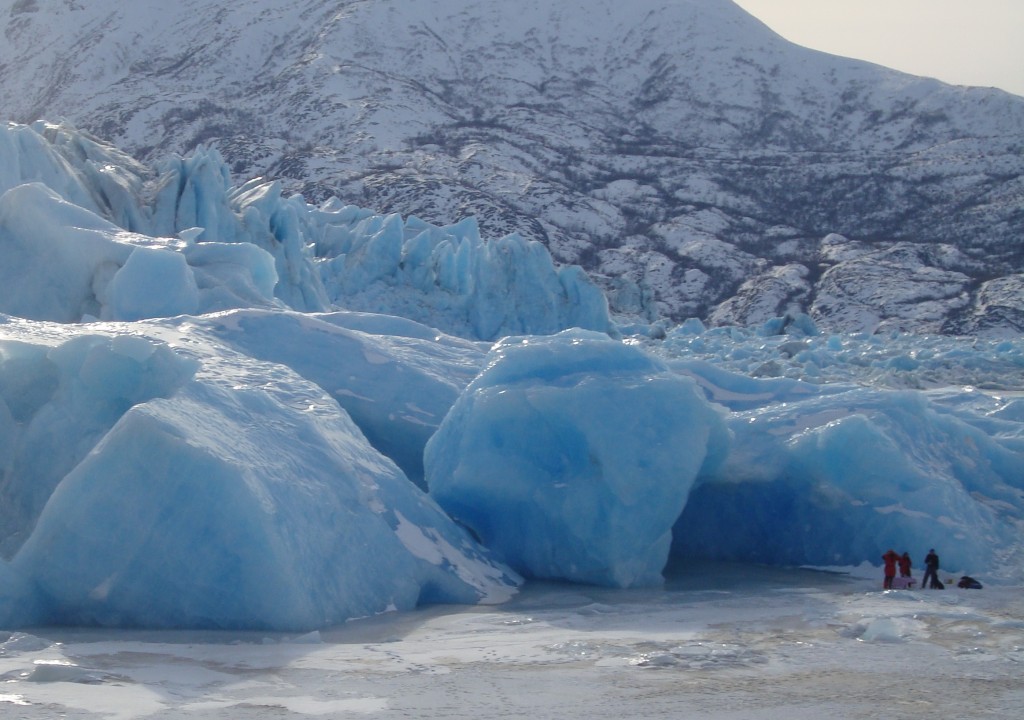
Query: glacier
(322,256)
(224,407)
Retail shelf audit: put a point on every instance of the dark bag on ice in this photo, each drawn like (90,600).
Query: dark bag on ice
(968,582)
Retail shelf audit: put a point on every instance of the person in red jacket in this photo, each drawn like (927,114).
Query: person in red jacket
(890,558)
(905,564)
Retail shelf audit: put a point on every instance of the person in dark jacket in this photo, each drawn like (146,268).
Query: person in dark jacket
(890,558)
(931,571)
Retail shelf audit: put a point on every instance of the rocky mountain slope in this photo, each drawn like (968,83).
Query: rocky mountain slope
(693,161)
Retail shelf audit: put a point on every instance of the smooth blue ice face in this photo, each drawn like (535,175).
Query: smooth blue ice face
(571,456)
(237,496)
(57,401)
(20,603)
(397,379)
(836,475)
(53,251)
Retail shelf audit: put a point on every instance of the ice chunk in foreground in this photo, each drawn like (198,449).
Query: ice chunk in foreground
(57,402)
(247,498)
(571,457)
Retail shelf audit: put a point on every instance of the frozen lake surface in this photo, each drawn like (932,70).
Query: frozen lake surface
(714,642)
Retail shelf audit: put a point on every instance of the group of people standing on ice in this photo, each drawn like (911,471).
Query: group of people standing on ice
(931,570)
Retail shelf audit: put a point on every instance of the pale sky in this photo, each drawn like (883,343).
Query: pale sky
(964,42)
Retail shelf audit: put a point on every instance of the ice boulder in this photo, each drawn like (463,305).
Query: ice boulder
(572,455)
(153,282)
(242,497)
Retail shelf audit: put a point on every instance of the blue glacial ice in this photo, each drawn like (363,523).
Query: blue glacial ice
(396,378)
(68,264)
(95,206)
(203,488)
(829,477)
(224,407)
(571,456)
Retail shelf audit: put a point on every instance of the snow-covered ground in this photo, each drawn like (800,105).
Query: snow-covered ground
(717,641)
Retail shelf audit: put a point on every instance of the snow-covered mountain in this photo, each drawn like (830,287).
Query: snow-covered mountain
(691,159)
